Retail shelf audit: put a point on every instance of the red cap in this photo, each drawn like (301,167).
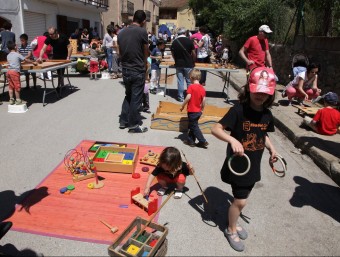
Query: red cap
(262,80)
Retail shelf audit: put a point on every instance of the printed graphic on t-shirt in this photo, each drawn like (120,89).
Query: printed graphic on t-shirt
(252,144)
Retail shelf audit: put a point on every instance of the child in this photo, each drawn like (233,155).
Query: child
(14,60)
(94,65)
(156,57)
(249,119)
(196,101)
(26,51)
(327,120)
(170,170)
(225,56)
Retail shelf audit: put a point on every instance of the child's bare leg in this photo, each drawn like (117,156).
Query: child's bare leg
(180,186)
(11,93)
(234,213)
(95,75)
(163,183)
(17,94)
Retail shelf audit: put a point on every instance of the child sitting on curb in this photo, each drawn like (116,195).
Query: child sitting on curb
(327,120)
(170,170)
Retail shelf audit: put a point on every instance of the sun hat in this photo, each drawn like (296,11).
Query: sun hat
(262,80)
(265,28)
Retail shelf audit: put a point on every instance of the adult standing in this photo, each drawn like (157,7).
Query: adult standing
(255,51)
(37,44)
(108,44)
(5,36)
(203,52)
(62,50)
(134,51)
(183,52)
(116,65)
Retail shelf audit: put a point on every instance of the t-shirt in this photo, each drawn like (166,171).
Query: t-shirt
(132,41)
(94,55)
(39,46)
(197,93)
(203,52)
(256,51)
(59,46)
(107,40)
(250,128)
(184,170)
(182,54)
(6,36)
(24,50)
(328,121)
(306,83)
(155,63)
(14,60)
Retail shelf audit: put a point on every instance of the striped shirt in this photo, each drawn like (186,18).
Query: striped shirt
(24,50)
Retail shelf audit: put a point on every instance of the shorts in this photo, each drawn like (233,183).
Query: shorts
(178,179)
(241,192)
(13,78)
(94,66)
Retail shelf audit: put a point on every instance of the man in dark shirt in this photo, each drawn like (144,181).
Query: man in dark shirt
(183,52)
(134,51)
(5,36)
(62,50)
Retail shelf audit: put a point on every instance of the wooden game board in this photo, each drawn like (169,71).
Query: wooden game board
(169,117)
(44,65)
(202,65)
(306,110)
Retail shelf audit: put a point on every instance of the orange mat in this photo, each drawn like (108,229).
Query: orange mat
(77,216)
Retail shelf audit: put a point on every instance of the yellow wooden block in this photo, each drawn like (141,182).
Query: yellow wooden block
(127,162)
(132,249)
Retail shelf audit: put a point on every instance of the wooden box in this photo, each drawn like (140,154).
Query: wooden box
(74,45)
(127,165)
(152,242)
(169,117)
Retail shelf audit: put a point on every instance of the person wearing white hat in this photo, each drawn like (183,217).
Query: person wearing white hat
(255,51)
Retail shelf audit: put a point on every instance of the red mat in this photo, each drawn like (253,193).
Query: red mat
(77,216)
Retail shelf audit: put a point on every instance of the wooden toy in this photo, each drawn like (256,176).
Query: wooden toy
(169,117)
(45,64)
(149,205)
(79,165)
(123,245)
(113,163)
(306,110)
(97,184)
(112,229)
(151,158)
(97,144)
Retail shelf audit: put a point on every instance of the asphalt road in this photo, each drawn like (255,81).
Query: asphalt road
(295,215)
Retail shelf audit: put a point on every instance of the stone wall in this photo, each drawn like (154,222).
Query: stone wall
(322,50)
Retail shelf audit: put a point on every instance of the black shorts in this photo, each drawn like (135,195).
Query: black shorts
(241,192)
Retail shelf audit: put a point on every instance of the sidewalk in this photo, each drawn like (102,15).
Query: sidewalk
(323,150)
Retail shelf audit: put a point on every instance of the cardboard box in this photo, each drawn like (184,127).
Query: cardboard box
(169,117)
(126,166)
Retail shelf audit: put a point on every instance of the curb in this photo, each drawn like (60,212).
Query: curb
(328,163)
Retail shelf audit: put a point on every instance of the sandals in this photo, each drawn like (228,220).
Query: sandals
(162,191)
(242,233)
(232,237)
(114,76)
(178,194)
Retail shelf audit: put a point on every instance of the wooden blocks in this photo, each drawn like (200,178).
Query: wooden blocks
(116,159)
(74,45)
(151,158)
(148,205)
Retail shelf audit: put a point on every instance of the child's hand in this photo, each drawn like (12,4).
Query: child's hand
(237,147)
(181,109)
(273,157)
(191,169)
(146,191)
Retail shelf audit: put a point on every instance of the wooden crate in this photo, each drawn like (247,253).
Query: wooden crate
(108,166)
(154,231)
(169,117)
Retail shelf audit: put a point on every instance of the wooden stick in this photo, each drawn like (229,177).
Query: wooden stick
(154,214)
(193,173)
(113,229)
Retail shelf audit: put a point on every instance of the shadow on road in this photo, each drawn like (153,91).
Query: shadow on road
(324,198)
(328,146)
(11,250)
(215,212)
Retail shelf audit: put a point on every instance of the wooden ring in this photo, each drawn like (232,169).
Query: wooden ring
(279,173)
(233,171)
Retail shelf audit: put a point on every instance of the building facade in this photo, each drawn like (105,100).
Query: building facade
(175,14)
(120,11)
(33,17)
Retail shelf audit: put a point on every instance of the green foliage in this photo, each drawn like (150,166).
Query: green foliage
(239,19)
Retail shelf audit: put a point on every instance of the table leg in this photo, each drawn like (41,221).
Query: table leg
(53,90)
(226,85)
(3,89)
(166,81)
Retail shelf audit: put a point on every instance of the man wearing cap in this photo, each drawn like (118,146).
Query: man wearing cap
(255,51)
(183,52)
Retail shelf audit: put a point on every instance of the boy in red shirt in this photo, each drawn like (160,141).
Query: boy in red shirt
(327,120)
(196,101)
